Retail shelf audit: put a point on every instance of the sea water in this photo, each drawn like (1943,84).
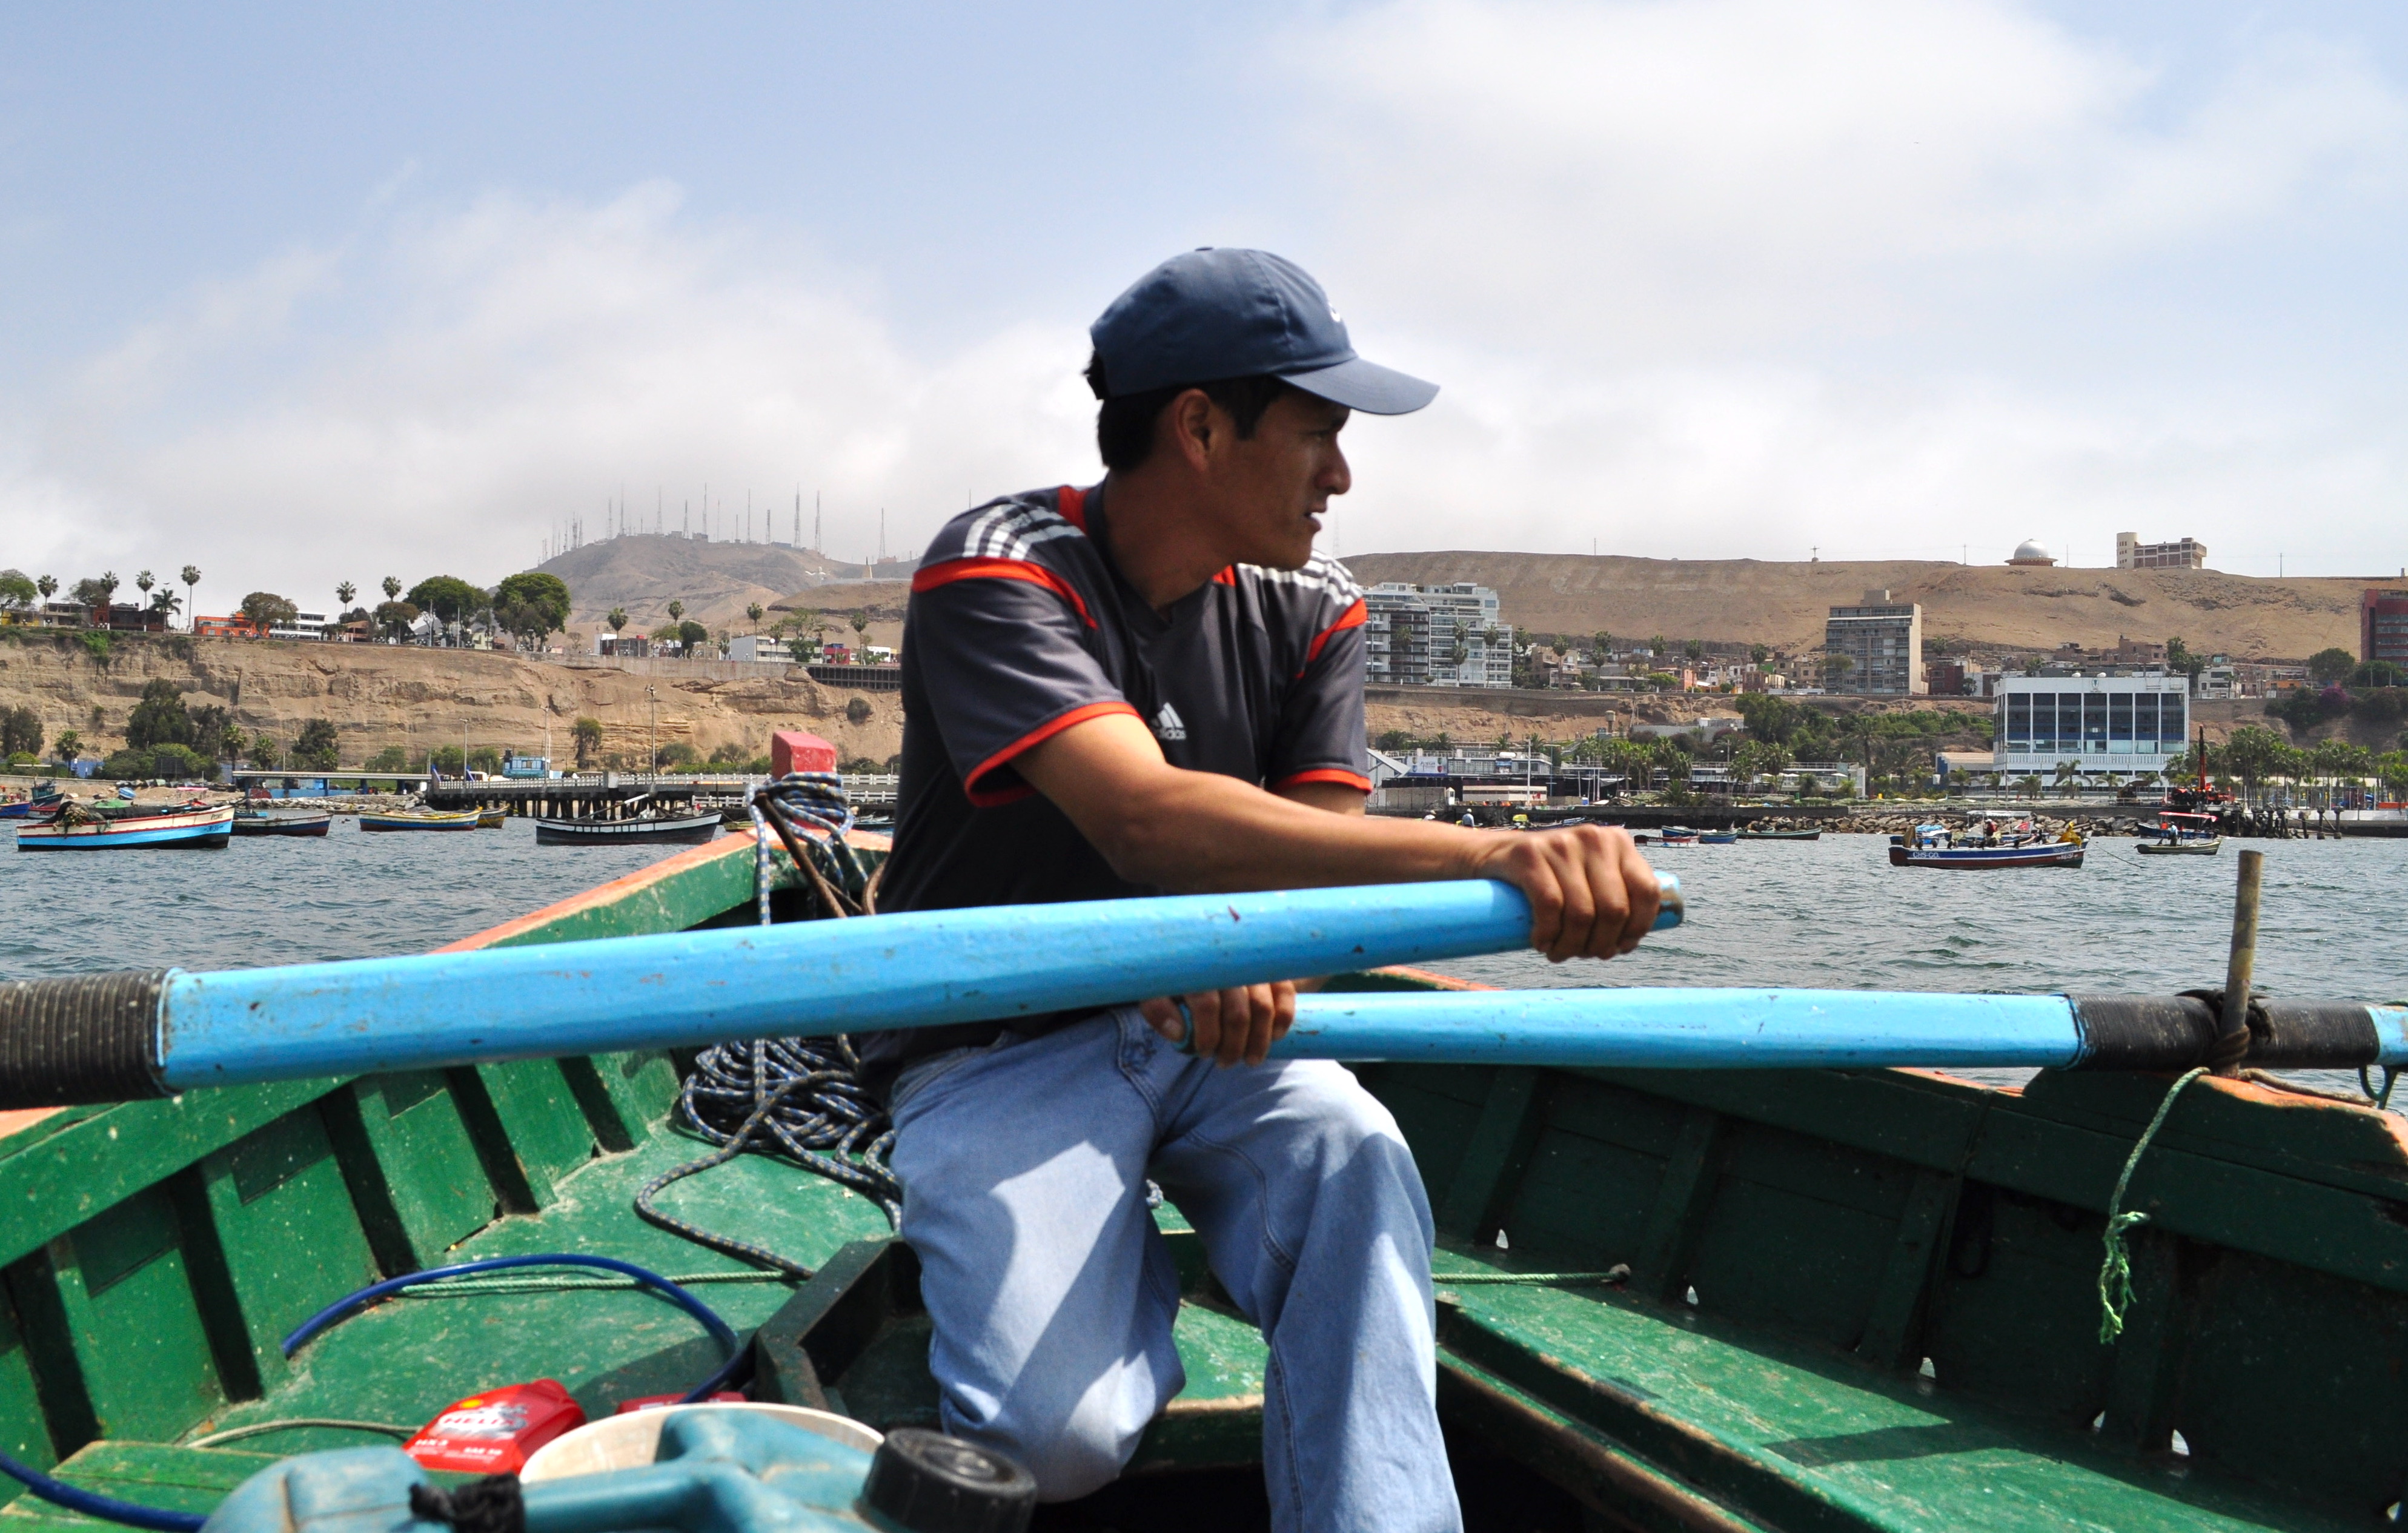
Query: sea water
(277,899)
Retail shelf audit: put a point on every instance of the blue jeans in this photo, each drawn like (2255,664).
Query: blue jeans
(1023,1166)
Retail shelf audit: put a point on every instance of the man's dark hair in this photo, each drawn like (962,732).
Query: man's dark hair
(1124,426)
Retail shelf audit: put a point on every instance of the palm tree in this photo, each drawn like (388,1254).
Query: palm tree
(860,620)
(1747,764)
(617,620)
(143,583)
(753,612)
(2068,774)
(393,588)
(47,585)
(1861,728)
(192,576)
(343,594)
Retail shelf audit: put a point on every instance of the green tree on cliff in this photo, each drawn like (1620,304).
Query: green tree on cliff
(2327,667)
(395,618)
(447,596)
(531,604)
(266,609)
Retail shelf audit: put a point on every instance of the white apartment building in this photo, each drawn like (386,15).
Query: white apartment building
(1436,636)
(303,625)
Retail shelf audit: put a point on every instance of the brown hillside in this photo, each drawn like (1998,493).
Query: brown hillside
(1783,605)
(379,694)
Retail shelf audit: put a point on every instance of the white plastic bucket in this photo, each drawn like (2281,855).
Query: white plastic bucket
(629,1442)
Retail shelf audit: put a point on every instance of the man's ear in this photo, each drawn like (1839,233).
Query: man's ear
(1189,420)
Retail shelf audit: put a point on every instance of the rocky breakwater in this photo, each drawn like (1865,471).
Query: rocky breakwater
(379,696)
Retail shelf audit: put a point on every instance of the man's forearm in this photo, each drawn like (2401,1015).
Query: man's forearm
(1590,893)
(1201,832)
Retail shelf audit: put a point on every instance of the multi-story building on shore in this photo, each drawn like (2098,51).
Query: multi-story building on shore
(1436,636)
(2383,626)
(2182,553)
(1875,648)
(2106,727)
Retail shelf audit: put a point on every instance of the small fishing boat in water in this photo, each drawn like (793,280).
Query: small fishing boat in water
(308,822)
(493,818)
(643,829)
(44,800)
(1780,835)
(1934,846)
(1676,836)
(419,820)
(1717,838)
(79,828)
(2182,835)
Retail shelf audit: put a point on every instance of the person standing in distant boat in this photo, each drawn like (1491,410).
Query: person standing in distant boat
(1153,684)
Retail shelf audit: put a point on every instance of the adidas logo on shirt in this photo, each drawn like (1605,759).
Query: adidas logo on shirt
(1168,725)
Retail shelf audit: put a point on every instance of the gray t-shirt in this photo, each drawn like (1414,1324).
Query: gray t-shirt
(1019,628)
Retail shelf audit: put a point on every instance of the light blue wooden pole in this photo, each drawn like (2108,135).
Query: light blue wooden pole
(687,989)
(1691,1029)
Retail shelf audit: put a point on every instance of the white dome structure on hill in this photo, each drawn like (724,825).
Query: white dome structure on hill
(2029,551)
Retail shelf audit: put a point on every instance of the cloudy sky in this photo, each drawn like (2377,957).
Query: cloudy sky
(310,293)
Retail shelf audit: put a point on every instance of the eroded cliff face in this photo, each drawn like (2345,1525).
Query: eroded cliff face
(378,695)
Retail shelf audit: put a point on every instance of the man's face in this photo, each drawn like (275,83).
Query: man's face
(1272,487)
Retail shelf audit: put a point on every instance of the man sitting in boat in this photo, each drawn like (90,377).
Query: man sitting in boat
(1155,685)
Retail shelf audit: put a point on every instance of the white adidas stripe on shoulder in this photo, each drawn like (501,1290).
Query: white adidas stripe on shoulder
(1320,573)
(1011,529)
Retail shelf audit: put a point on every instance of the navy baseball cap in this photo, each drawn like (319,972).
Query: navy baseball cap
(1212,314)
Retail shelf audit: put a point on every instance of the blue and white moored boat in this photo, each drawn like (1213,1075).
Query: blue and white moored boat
(184,825)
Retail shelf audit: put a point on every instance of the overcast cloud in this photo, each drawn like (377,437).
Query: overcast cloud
(1732,279)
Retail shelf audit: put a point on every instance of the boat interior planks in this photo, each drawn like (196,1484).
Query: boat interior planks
(1854,1299)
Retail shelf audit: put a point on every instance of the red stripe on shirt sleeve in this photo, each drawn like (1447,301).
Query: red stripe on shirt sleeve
(1354,617)
(990,798)
(933,576)
(1229,576)
(1071,502)
(1325,774)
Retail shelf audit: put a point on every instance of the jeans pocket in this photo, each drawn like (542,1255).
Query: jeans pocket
(920,1073)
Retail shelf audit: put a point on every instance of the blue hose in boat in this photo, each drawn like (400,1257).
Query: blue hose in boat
(344,1308)
(108,1508)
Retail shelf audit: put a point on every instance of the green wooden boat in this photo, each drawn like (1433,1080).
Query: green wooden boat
(1720,1300)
